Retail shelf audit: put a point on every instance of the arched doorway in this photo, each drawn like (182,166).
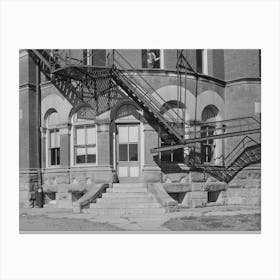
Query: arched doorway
(127,143)
(211,149)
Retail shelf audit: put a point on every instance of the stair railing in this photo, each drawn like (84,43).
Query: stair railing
(225,126)
(146,99)
(126,67)
(244,143)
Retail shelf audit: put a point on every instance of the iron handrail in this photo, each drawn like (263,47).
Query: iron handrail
(217,128)
(234,153)
(133,81)
(144,80)
(144,98)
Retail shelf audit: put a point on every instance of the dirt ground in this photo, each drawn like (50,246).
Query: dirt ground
(229,219)
(44,223)
(251,222)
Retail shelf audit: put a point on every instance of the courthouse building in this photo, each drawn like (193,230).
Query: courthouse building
(182,122)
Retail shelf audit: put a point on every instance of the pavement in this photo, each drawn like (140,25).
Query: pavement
(142,223)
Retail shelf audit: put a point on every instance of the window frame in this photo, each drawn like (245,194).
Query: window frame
(207,147)
(85,146)
(144,59)
(171,153)
(56,148)
(49,129)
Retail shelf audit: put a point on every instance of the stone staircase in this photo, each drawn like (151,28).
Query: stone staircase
(126,199)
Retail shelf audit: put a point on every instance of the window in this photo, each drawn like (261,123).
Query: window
(171,156)
(128,143)
(84,137)
(201,61)
(151,58)
(54,147)
(53,140)
(207,146)
(85,144)
(176,156)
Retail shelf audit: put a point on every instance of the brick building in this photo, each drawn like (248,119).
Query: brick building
(183,123)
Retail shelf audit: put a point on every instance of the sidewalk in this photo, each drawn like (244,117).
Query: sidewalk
(140,223)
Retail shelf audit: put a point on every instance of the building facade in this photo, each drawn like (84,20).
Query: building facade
(73,138)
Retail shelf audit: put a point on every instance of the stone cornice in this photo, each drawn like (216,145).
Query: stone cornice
(27,86)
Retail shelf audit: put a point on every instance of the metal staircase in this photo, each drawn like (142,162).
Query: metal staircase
(82,83)
(246,152)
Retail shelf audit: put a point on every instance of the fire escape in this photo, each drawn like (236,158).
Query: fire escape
(103,87)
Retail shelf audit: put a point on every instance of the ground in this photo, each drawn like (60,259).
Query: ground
(220,218)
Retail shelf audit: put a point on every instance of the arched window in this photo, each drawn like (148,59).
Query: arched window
(53,139)
(84,137)
(208,146)
(127,112)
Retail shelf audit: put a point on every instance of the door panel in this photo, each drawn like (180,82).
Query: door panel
(128,152)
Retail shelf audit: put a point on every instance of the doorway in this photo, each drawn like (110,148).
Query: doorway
(128,152)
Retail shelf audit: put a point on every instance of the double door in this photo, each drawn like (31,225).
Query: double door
(128,152)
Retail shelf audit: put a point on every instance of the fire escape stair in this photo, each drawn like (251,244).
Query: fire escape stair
(61,78)
(250,155)
(146,101)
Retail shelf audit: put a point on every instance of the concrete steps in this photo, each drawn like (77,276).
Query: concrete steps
(124,195)
(129,199)
(132,212)
(125,199)
(127,189)
(121,205)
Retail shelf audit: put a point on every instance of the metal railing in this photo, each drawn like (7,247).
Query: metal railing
(147,89)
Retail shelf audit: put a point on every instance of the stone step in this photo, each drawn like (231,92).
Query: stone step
(127,190)
(124,195)
(129,185)
(125,211)
(122,205)
(126,199)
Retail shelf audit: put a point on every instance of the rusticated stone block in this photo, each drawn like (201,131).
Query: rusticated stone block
(64,200)
(197,177)
(215,186)
(197,187)
(253,183)
(195,199)
(62,179)
(63,188)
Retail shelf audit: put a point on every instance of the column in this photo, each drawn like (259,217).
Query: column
(28,128)
(64,133)
(63,196)
(105,172)
(151,172)
(218,146)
